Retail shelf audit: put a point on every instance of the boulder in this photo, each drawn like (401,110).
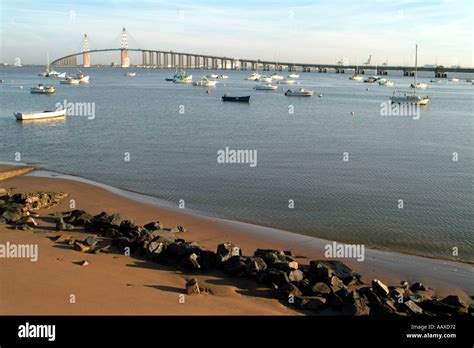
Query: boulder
(115,220)
(78,218)
(380,288)
(295,275)
(227,250)
(356,305)
(455,301)
(286,290)
(207,260)
(13,213)
(270,256)
(235,266)
(192,287)
(177,229)
(81,247)
(277,277)
(325,269)
(438,308)
(314,303)
(254,265)
(62,226)
(91,241)
(321,288)
(29,221)
(412,307)
(153,226)
(336,284)
(418,287)
(84,263)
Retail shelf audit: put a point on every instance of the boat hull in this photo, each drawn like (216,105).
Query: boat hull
(21,116)
(245,99)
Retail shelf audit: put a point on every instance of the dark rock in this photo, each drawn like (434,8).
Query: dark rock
(153,226)
(281,266)
(336,284)
(227,250)
(26,227)
(62,226)
(321,288)
(397,293)
(114,220)
(185,249)
(2,220)
(81,247)
(287,290)
(295,275)
(192,287)
(13,213)
(455,301)
(412,307)
(356,305)
(314,303)
(235,266)
(438,308)
(416,298)
(277,277)
(207,260)
(78,218)
(155,248)
(255,264)
(380,288)
(418,287)
(324,270)
(404,284)
(91,241)
(178,229)
(270,256)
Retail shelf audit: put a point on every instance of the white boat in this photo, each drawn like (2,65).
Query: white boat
(205,82)
(299,93)
(275,76)
(470,80)
(293,76)
(371,79)
(436,81)
(82,78)
(36,115)
(55,74)
(419,85)
(286,82)
(224,77)
(411,98)
(131,74)
(356,78)
(266,87)
(213,76)
(69,81)
(454,79)
(41,89)
(265,79)
(254,77)
(181,77)
(386,83)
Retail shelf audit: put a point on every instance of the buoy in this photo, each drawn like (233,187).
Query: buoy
(320,96)
(353,113)
(367,89)
(208,91)
(21,87)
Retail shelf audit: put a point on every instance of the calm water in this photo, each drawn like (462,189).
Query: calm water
(300,155)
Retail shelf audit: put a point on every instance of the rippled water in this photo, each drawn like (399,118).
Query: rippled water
(173,155)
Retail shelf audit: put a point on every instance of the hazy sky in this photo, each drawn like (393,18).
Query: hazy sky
(305,31)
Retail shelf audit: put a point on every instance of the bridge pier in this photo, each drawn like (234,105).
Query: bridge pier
(307,69)
(152,58)
(441,74)
(124,60)
(86,60)
(382,72)
(339,71)
(408,73)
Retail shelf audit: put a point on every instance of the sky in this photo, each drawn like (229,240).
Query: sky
(317,31)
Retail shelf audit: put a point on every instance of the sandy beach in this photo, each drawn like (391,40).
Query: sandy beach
(117,284)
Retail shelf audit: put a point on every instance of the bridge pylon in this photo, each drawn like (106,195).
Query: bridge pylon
(124,59)
(86,56)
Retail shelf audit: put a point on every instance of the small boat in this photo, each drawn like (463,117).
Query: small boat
(266,87)
(454,79)
(181,77)
(470,80)
(286,82)
(44,73)
(69,81)
(41,89)
(356,78)
(371,79)
(82,78)
(224,77)
(299,93)
(275,76)
(386,83)
(213,76)
(293,76)
(410,99)
(419,85)
(36,115)
(131,74)
(205,82)
(245,99)
(436,81)
(254,77)
(265,79)
(170,79)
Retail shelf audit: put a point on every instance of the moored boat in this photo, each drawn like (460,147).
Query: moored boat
(266,87)
(205,82)
(131,74)
(228,98)
(253,77)
(454,79)
(286,82)
(36,115)
(69,81)
(299,93)
(386,83)
(293,76)
(419,85)
(275,76)
(181,77)
(224,77)
(265,79)
(41,89)
(356,78)
(82,78)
